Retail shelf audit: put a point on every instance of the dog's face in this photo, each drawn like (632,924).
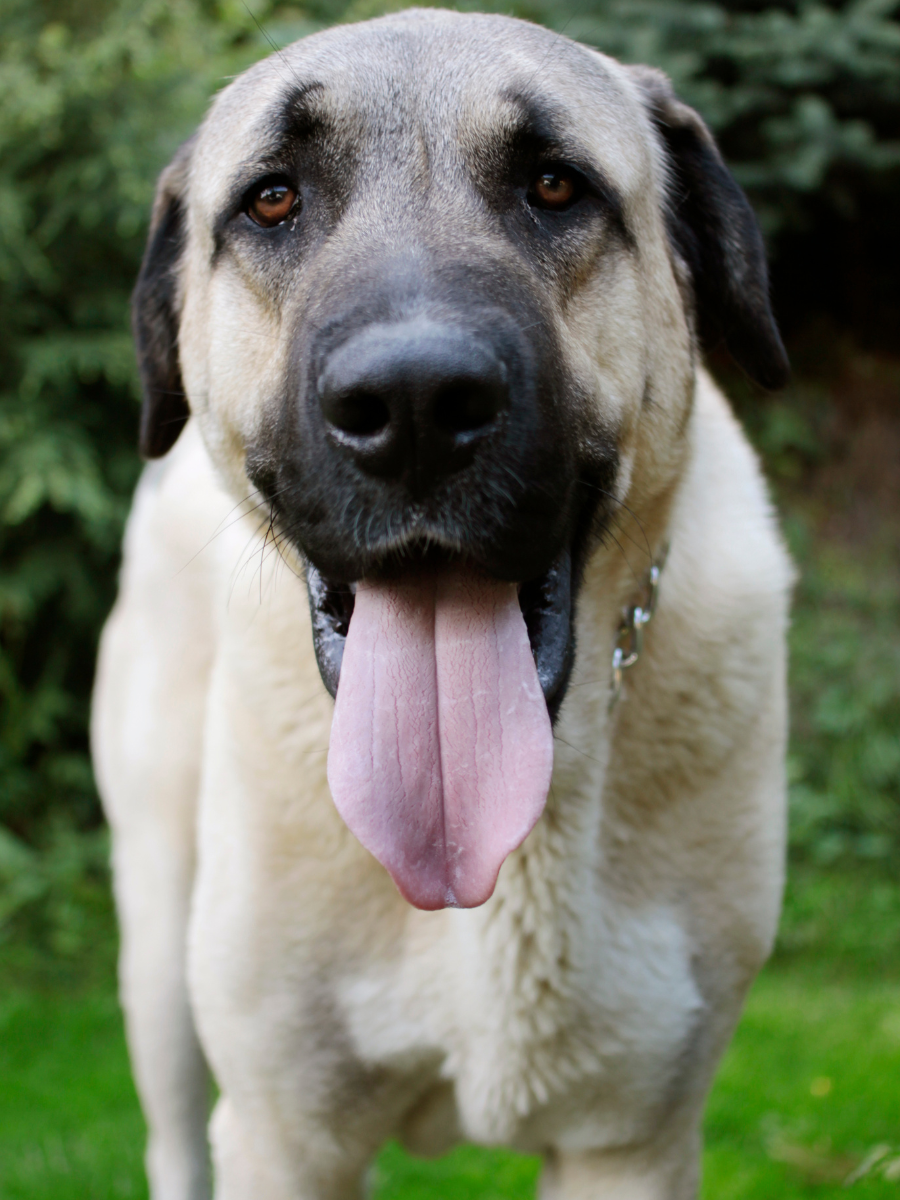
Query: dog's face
(432,285)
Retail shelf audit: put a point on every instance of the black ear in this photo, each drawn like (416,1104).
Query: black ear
(715,231)
(155,313)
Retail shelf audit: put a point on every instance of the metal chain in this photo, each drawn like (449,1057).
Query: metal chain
(630,634)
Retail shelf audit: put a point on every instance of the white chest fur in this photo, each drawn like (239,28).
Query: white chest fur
(559,1015)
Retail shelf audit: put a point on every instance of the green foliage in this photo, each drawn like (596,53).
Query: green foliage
(845,916)
(798,95)
(94,99)
(845,760)
(55,897)
(90,112)
(842,518)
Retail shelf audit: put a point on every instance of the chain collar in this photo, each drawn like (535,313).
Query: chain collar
(630,634)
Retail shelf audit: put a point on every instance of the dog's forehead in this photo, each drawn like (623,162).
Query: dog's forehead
(436,77)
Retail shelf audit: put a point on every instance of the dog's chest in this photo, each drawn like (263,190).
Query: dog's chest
(558,1014)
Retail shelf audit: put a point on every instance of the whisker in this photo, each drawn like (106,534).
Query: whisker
(218,530)
(240,565)
(577,749)
(559,36)
(625,533)
(262,553)
(630,511)
(625,556)
(281,555)
(278,51)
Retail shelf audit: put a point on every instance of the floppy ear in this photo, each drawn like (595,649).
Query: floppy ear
(715,231)
(154,313)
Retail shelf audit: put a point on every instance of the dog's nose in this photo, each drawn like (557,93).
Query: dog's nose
(412,400)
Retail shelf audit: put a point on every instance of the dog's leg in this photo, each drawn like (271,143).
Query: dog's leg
(624,1175)
(149,703)
(280,1158)
(153,889)
(298,1117)
(151,800)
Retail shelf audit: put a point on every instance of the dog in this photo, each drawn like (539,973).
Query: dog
(420,325)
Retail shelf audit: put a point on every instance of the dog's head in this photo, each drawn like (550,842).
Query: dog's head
(434,286)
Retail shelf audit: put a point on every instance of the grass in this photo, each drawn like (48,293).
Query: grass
(808,1091)
(70,1125)
(809,1088)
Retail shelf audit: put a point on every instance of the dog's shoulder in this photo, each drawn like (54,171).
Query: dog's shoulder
(178,506)
(714,658)
(157,646)
(729,543)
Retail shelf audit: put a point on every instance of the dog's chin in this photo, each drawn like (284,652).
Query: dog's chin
(546,604)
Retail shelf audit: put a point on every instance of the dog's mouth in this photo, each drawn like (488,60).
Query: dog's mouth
(545,604)
(446,681)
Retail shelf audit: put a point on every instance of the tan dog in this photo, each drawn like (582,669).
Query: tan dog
(434,288)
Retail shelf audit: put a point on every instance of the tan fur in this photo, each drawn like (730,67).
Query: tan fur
(581,1011)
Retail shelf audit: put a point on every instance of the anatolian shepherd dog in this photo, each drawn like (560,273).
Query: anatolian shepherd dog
(434,289)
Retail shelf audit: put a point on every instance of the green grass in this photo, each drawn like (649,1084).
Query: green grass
(70,1126)
(809,1087)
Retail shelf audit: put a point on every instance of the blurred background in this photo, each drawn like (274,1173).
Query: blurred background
(804,98)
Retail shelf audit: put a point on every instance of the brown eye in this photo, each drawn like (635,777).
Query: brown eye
(554,189)
(271,203)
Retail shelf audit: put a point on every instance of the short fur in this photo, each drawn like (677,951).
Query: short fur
(580,1012)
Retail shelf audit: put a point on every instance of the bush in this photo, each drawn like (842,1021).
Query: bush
(831,444)
(90,112)
(93,100)
(845,761)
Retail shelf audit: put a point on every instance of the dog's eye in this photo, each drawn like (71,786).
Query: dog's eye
(555,188)
(271,202)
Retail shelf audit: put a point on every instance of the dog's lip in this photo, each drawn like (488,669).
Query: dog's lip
(546,604)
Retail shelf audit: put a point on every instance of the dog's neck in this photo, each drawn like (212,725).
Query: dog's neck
(635,617)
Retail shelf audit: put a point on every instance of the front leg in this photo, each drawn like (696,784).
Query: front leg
(278,922)
(263,1152)
(667,1172)
(299,1116)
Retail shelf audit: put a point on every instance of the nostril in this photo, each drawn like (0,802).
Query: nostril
(466,407)
(412,401)
(361,413)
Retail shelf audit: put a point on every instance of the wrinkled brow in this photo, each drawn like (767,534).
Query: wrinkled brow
(535,127)
(299,117)
(301,112)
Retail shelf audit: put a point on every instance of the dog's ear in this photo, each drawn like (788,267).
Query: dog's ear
(155,313)
(715,231)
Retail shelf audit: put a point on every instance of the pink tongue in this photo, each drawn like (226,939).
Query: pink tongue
(441,748)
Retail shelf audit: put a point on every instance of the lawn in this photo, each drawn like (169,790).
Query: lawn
(809,1090)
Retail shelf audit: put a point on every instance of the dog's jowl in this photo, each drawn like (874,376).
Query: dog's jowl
(422,828)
